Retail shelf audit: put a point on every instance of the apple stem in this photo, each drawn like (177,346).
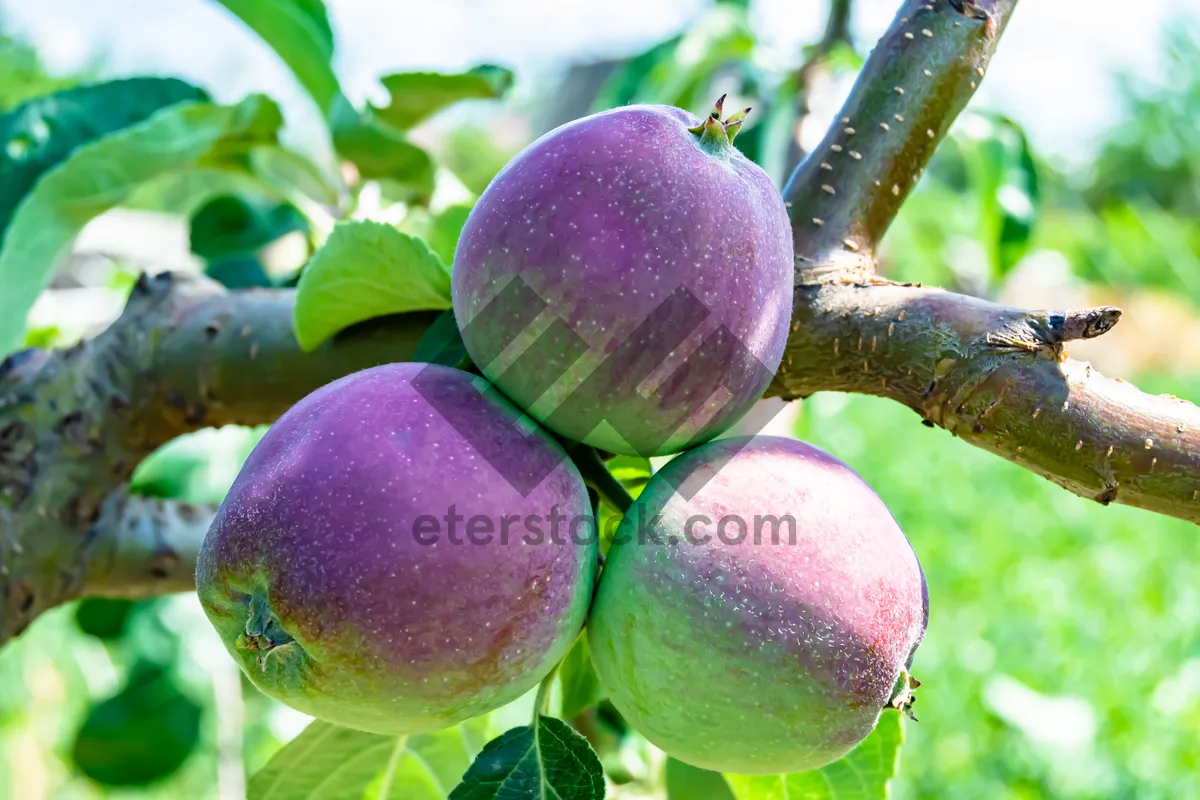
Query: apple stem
(541,702)
(596,475)
(716,137)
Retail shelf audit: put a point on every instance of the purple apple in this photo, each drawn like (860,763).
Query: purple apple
(644,233)
(373,567)
(763,625)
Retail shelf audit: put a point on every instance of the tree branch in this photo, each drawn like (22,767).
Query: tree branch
(843,197)
(146,546)
(998,377)
(74,423)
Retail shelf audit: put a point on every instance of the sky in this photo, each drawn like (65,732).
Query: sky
(1053,72)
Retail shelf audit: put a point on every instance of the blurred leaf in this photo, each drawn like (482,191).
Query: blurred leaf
(864,774)
(382,152)
(415,96)
(42,132)
(366,270)
(685,782)
(1155,151)
(1178,241)
(142,734)
(238,271)
(623,86)
(97,176)
(326,762)
(547,760)
(286,171)
(234,150)
(197,467)
(169,471)
(183,193)
(475,155)
(580,687)
(103,617)
(442,343)
(676,75)
(440,231)
(773,124)
(1005,180)
(23,75)
(229,230)
(299,32)
(44,336)
(843,58)
(446,230)
(230,224)
(632,471)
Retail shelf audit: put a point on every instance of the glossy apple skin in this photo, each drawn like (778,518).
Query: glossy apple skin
(393,635)
(604,219)
(765,657)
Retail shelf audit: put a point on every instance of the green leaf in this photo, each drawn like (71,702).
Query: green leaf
(622,87)
(415,96)
(287,172)
(142,734)
(366,270)
(446,230)
(382,152)
(685,782)
(197,467)
(99,175)
(42,132)
(228,231)
(864,774)
(228,225)
(440,231)
(442,343)
(675,71)
(547,760)
(103,617)
(632,471)
(238,271)
(1005,179)
(299,32)
(183,193)
(328,762)
(580,687)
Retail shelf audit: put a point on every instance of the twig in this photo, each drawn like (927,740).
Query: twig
(596,475)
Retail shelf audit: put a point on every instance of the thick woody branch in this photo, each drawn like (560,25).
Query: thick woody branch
(999,378)
(74,424)
(231,358)
(843,197)
(146,546)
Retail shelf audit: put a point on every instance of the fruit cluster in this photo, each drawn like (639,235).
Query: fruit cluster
(408,548)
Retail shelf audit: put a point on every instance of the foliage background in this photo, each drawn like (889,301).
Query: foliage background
(1062,659)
